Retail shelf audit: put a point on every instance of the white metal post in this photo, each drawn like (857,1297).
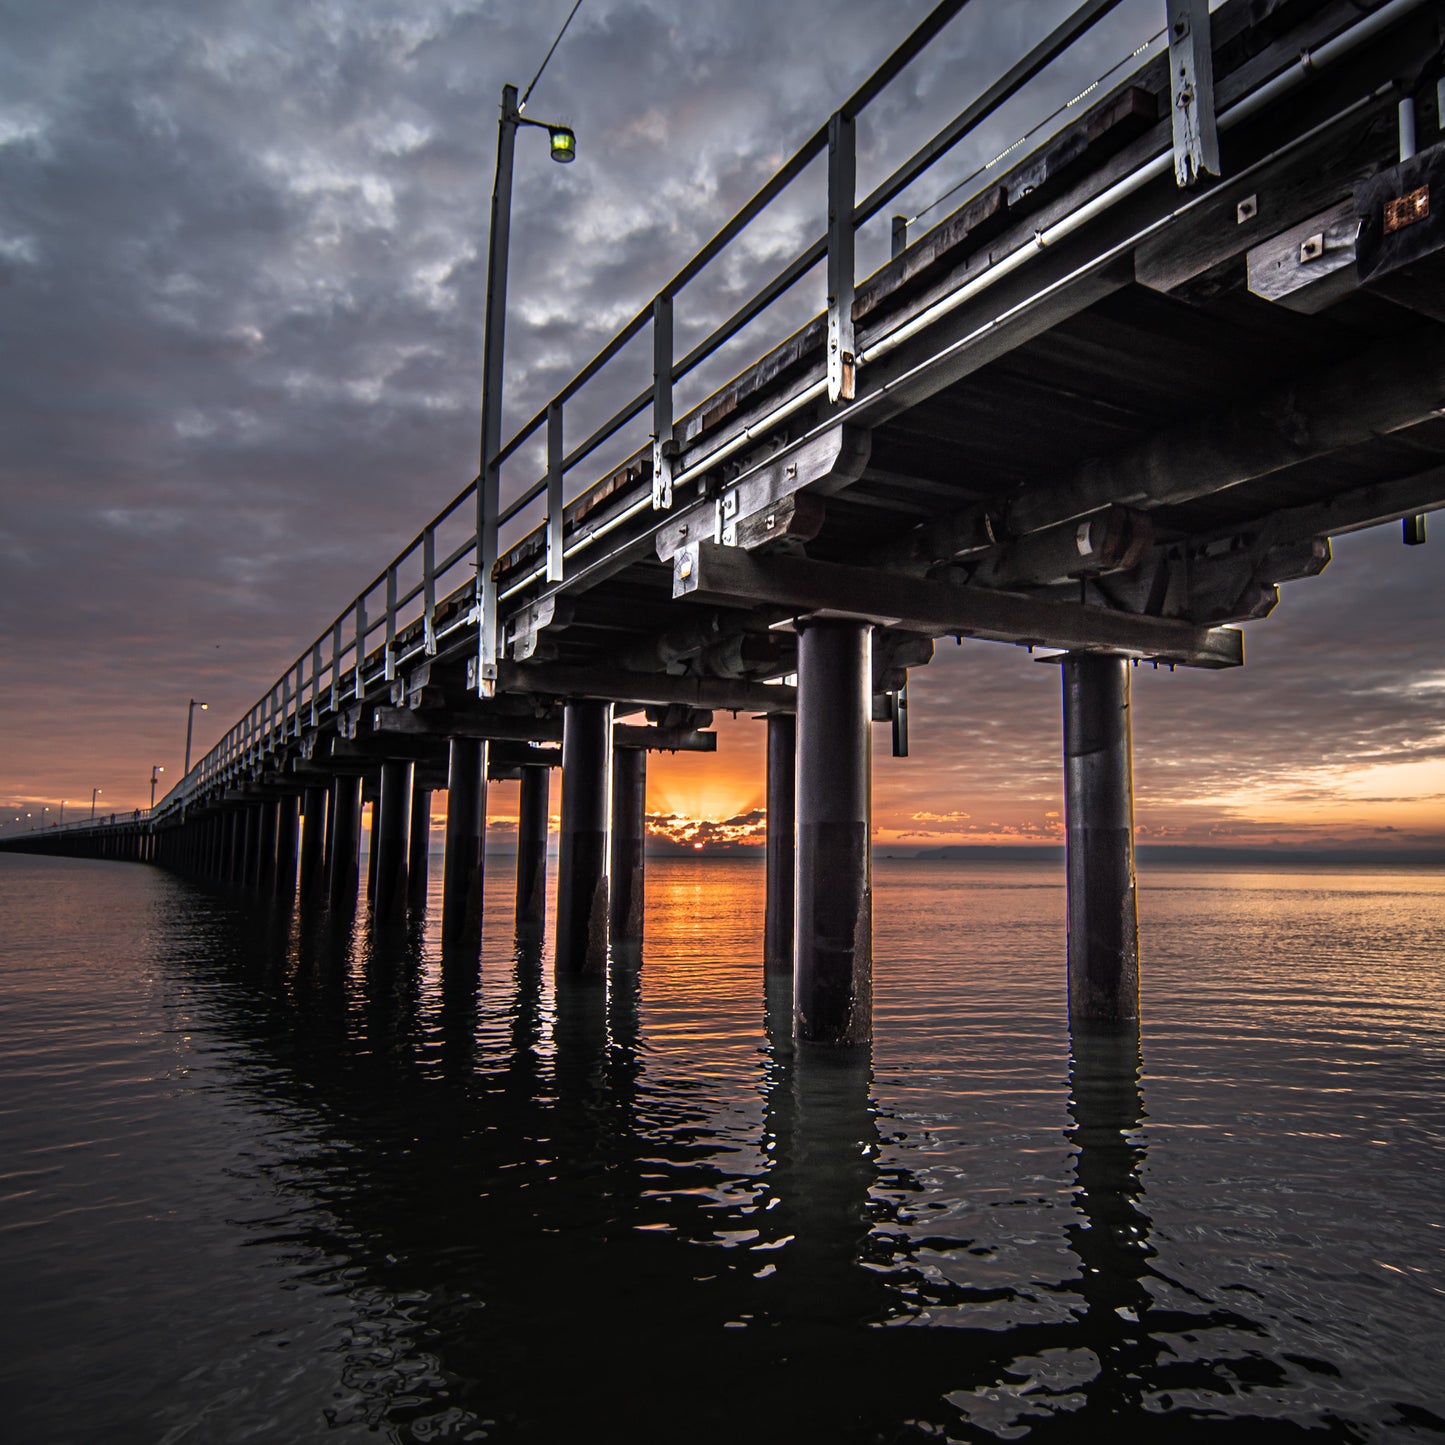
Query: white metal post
(842,189)
(555,505)
(663,447)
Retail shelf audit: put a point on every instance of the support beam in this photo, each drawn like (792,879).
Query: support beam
(235,847)
(287,815)
(344,849)
(419,852)
(532,821)
(627,877)
(391,723)
(782,796)
(266,851)
(660,689)
(313,841)
(466,830)
(582,861)
(391,840)
(706,572)
(1103,917)
(371,851)
(1386,388)
(833,979)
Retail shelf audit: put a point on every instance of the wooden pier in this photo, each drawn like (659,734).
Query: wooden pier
(1102,409)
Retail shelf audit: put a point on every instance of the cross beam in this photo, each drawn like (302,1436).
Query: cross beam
(706,572)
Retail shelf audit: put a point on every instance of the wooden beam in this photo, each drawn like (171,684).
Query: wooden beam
(722,575)
(609,684)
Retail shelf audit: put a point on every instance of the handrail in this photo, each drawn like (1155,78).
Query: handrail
(339,667)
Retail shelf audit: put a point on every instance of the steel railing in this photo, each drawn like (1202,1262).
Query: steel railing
(388,624)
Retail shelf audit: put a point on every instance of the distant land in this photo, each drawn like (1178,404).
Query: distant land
(1172,853)
(1145,853)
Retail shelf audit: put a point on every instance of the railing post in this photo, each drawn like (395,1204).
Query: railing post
(389,656)
(554,491)
(336,667)
(359,690)
(315,682)
(1191,87)
(429,590)
(842,188)
(663,446)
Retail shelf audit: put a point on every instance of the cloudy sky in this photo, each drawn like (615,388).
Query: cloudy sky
(242,246)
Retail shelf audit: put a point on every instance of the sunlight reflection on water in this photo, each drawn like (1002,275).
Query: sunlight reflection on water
(264,1178)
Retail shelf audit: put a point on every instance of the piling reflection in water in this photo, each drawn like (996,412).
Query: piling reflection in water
(587,1213)
(640,1181)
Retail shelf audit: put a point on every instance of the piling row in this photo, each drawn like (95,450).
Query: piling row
(304,841)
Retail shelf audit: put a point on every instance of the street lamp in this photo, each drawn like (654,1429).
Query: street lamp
(190,718)
(94,794)
(156,771)
(562,146)
(63,802)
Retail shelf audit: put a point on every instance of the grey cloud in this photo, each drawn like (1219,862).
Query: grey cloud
(242,247)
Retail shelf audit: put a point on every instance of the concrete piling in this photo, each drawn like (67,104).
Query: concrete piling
(465,846)
(1103,915)
(532,824)
(627,864)
(782,799)
(582,859)
(833,977)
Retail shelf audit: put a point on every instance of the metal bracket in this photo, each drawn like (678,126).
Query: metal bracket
(1191,92)
(526,626)
(842,194)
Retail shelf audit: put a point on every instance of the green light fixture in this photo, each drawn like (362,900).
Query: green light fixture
(563,142)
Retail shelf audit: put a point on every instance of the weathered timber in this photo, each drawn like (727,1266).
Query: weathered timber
(825,464)
(1275,196)
(452,723)
(718,574)
(1385,388)
(609,684)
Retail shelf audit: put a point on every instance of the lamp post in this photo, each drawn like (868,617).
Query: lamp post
(156,771)
(190,718)
(94,794)
(63,802)
(562,146)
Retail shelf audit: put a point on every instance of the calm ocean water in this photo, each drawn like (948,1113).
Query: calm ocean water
(264,1181)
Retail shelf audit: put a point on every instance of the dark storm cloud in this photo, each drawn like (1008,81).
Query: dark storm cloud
(1347,674)
(242,246)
